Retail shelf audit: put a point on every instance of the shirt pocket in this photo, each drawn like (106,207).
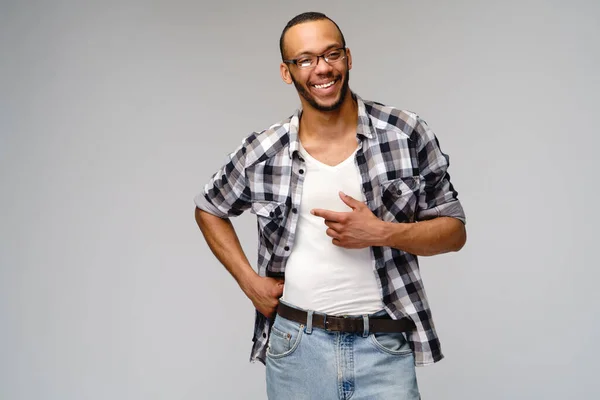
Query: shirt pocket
(400,198)
(270,217)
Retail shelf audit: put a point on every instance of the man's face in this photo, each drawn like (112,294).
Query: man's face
(325,86)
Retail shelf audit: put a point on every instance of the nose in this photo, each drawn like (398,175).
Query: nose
(322,66)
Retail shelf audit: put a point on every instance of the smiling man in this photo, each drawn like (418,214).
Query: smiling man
(347,193)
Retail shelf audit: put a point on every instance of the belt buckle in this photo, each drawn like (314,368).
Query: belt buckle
(327,323)
(344,324)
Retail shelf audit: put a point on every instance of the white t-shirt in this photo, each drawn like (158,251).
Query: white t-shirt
(319,275)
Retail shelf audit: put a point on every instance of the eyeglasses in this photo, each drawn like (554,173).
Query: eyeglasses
(311,61)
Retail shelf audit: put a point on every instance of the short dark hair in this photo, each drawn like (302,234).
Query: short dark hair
(307,17)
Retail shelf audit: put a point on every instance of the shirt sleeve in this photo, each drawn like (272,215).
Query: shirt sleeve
(227,194)
(437,197)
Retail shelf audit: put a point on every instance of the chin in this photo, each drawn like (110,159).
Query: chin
(330,105)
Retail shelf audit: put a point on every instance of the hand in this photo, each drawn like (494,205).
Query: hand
(264,293)
(356,229)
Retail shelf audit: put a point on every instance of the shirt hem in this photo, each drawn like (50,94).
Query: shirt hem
(452,209)
(203,204)
(428,363)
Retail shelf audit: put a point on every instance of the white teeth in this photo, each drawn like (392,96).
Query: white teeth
(326,85)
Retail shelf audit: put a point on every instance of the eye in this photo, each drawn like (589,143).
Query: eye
(304,62)
(333,55)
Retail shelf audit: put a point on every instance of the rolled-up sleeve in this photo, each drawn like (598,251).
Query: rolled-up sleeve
(437,196)
(227,193)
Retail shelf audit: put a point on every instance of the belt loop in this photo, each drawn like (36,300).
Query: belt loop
(309,321)
(365,325)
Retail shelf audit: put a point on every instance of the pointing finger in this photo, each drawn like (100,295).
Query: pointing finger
(326,214)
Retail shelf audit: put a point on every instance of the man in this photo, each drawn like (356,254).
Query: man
(347,194)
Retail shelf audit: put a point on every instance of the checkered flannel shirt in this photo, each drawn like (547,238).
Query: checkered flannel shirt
(404,179)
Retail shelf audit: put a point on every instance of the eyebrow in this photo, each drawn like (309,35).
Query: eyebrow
(331,46)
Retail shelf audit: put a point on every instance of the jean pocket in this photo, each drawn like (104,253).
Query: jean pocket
(394,343)
(284,338)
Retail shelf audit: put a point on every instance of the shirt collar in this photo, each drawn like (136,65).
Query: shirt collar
(364,126)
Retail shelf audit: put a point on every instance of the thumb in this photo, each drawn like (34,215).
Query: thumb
(350,201)
(279,289)
(278,283)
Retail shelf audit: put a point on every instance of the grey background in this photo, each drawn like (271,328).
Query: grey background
(114,114)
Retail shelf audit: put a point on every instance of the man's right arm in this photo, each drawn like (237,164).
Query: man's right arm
(223,241)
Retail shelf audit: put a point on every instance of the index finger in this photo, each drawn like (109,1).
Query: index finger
(328,215)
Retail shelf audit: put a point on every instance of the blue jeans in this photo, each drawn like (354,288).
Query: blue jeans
(311,363)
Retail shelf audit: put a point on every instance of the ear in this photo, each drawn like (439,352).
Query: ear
(349,57)
(285,73)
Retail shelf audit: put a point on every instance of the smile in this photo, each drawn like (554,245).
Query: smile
(325,85)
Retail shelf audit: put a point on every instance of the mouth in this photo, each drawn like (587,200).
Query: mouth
(325,85)
(326,88)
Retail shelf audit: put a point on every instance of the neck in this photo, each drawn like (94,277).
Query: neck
(329,125)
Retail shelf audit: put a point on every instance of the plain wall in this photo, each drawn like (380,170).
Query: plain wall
(113,115)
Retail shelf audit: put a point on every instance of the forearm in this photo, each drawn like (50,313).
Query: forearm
(425,238)
(225,245)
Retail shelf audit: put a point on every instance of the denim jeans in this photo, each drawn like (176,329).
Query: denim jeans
(304,362)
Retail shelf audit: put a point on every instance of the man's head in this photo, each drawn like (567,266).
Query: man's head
(322,83)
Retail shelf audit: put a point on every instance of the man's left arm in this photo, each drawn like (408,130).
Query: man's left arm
(440,226)
(361,228)
(428,238)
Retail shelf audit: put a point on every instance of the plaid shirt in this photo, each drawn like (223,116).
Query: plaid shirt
(404,179)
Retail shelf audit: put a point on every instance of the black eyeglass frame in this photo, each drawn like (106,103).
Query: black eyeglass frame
(295,60)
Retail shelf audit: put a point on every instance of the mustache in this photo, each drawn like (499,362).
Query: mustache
(329,76)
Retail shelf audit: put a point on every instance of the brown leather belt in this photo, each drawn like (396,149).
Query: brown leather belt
(383,324)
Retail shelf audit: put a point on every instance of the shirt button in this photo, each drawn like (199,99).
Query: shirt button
(294,210)
(287,248)
(301,159)
(301,171)
(272,214)
(264,335)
